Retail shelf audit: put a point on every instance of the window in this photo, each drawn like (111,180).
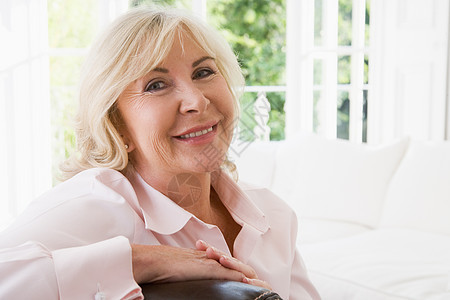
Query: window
(328,64)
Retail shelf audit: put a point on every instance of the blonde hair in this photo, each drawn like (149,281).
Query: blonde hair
(134,44)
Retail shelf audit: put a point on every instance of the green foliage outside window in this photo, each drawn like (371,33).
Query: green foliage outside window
(256,31)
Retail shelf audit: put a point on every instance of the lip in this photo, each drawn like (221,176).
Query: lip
(198,128)
(202,139)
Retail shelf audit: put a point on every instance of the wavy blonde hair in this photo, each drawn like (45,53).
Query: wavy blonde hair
(134,44)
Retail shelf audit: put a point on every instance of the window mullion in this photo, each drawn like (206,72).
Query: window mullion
(299,66)
(330,17)
(357,71)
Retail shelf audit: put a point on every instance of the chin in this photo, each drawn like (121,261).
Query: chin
(207,165)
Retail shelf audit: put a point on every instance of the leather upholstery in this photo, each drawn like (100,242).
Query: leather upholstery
(206,290)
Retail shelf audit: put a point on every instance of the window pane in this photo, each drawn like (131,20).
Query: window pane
(249,117)
(63,107)
(318,71)
(64,77)
(366,69)
(317,99)
(318,23)
(345,23)
(72,23)
(343,115)
(367,21)
(364,133)
(344,69)
(256,31)
(65,70)
(277,116)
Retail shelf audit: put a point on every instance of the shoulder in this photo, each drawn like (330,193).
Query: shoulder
(92,181)
(97,187)
(93,205)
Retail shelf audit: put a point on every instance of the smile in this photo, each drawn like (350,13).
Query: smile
(195,134)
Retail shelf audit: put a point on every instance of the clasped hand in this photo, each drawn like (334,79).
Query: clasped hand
(160,263)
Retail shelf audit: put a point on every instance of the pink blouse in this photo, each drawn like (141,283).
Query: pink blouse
(74,241)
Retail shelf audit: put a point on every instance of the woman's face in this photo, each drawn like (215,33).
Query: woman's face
(179,117)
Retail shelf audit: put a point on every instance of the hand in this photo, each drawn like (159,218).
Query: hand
(232,263)
(161,263)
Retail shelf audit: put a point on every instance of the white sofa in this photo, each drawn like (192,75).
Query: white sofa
(374,222)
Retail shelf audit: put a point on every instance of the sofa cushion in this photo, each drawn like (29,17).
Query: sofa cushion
(381,264)
(335,179)
(313,230)
(256,163)
(419,193)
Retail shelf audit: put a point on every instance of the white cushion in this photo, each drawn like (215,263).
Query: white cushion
(311,230)
(256,164)
(419,194)
(380,265)
(335,179)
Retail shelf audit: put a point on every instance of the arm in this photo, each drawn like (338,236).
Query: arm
(71,243)
(31,271)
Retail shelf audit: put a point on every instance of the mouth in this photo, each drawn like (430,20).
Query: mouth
(196,134)
(199,134)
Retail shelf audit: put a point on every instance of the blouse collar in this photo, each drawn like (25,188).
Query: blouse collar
(164,216)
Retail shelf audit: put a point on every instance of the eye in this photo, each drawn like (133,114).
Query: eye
(202,73)
(155,86)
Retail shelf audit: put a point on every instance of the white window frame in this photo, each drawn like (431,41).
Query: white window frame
(301,53)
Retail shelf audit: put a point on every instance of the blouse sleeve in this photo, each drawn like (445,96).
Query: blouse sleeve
(73,243)
(97,271)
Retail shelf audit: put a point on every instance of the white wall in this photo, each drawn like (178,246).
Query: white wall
(409,41)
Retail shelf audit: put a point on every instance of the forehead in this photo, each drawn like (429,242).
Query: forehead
(184,47)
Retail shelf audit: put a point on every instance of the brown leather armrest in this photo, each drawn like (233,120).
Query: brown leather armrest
(206,290)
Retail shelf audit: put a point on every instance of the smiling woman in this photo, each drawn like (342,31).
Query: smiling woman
(148,198)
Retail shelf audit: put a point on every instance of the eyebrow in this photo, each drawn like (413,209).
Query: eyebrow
(194,64)
(161,70)
(199,61)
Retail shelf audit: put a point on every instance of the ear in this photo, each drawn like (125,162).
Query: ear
(128,142)
(122,129)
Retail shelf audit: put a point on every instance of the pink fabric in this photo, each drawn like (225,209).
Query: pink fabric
(74,241)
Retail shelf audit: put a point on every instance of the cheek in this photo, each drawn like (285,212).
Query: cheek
(149,126)
(229,110)
(159,145)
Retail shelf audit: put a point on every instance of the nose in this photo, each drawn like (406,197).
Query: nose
(192,99)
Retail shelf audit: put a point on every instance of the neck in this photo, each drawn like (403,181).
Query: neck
(190,191)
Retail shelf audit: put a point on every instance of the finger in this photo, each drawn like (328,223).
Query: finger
(211,252)
(235,264)
(226,260)
(257,282)
(201,245)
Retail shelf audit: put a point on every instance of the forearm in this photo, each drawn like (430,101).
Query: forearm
(30,271)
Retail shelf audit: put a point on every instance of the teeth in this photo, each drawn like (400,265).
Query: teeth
(195,134)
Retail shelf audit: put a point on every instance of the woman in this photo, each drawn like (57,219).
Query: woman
(147,200)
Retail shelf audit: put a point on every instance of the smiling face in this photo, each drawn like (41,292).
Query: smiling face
(179,117)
